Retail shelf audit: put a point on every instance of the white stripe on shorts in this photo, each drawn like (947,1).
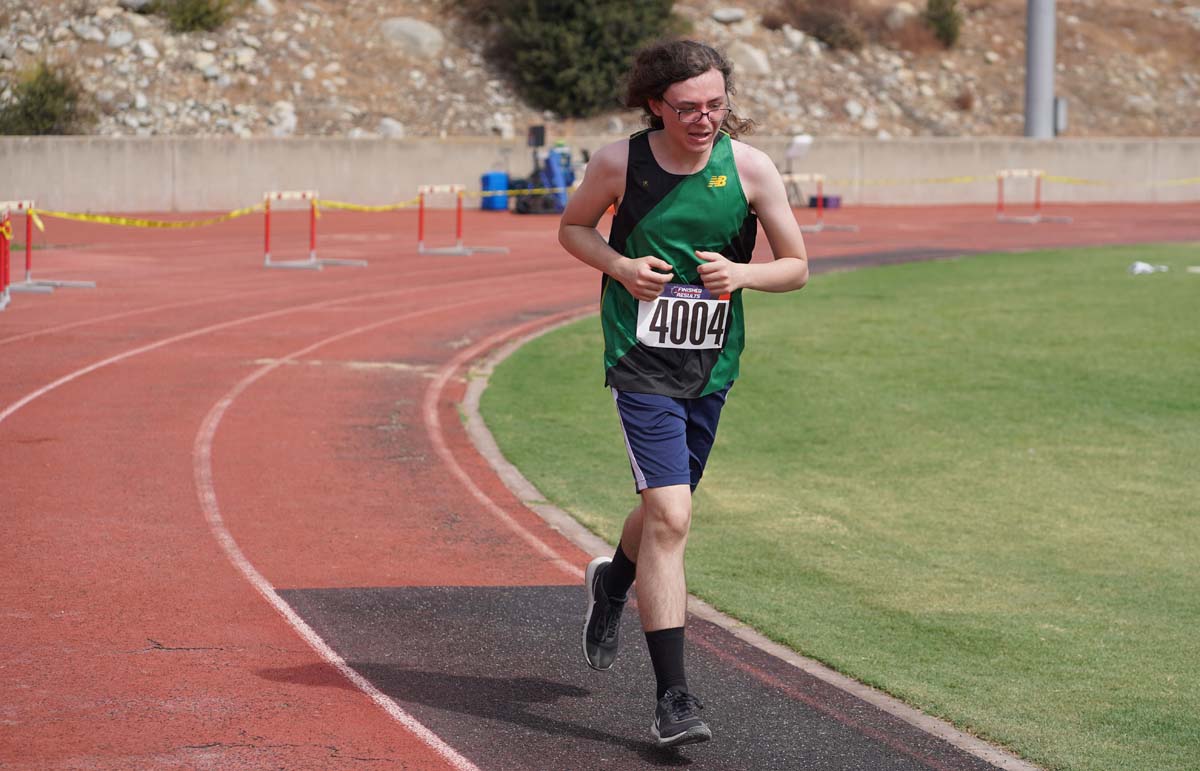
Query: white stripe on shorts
(638,477)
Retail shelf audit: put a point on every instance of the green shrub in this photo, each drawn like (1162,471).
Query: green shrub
(45,100)
(196,15)
(569,56)
(944,18)
(836,23)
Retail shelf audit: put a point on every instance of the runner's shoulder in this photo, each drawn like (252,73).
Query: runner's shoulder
(611,158)
(751,160)
(756,170)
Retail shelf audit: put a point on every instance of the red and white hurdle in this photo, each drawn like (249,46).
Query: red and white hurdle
(5,237)
(1028,219)
(820,225)
(29,284)
(313,262)
(459,250)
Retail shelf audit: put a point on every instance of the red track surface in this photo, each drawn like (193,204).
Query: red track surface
(195,396)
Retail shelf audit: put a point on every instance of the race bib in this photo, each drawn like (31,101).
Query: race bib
(683,316)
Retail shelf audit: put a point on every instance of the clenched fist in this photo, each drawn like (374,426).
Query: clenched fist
(720,276)
(645,277)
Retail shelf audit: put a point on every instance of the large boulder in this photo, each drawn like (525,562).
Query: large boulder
(749,60)
(391,128)
(418,39)
(729,15)
(899,15)
(119,38)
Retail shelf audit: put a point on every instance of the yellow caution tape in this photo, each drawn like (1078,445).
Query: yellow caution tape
(133,222)
(1175,182)
(1076,181)
(104,219)
(6,230)
(360,207)
(522,191)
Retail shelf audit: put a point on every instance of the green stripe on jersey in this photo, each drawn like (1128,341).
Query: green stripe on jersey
(705,211)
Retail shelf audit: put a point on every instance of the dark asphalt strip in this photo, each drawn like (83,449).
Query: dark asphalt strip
(497,672)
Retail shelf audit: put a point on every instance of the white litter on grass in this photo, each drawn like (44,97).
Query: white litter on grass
(1193,269)
(1140,268)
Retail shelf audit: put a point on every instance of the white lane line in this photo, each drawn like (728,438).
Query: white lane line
(223,298)
(433,426)
(126,314)
(488,281)
(206,490)
(116,358)
(244,290)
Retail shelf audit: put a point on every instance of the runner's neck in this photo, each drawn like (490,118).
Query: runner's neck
(677,160)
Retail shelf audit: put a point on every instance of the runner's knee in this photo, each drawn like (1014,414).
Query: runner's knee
(669,519)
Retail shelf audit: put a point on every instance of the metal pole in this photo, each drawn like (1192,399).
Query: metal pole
(458,219)
(420,221)
(1039,69)
(5,234)
(28,246)
(312,231)
(267,232)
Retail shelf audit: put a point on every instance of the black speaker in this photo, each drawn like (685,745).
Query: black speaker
(537,136)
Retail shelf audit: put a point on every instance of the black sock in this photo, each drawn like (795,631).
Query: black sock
(619,576)
(666,655)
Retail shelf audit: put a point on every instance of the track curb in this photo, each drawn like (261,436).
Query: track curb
(478,376)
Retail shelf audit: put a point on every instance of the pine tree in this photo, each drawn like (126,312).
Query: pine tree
(569,56)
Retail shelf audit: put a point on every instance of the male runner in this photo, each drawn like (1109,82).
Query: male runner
(689,199)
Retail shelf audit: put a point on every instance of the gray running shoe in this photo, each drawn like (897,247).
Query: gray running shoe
(602,624)
(677,720)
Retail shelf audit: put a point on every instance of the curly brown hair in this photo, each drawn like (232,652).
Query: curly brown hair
(665,62)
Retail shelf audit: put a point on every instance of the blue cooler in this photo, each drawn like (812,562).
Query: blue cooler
(494,180)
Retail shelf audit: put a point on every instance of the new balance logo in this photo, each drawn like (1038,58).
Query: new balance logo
(717,181)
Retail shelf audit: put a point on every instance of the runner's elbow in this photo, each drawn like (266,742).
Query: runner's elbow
(802,278)
(565,235)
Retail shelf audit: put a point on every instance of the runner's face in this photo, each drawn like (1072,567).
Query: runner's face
(703,92)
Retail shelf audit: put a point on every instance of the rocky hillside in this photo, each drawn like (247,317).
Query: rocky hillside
(400,67)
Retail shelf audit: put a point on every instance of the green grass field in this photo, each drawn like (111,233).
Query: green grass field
(973,484)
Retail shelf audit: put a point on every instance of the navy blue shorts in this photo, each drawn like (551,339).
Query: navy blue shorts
(668,439)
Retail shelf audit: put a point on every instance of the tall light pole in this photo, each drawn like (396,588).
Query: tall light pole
(1039,69)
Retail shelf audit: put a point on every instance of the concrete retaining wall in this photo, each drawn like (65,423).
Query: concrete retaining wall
(95,174)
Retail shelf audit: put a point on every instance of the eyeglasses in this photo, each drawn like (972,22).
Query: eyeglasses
(692,115)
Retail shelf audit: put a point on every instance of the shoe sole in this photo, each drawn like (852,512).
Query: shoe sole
(588,580)
(694,735)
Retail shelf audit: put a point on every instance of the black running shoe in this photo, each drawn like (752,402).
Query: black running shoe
(677,720)
(602,624)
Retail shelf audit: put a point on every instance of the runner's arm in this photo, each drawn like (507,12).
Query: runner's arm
(768,197)
(602,186)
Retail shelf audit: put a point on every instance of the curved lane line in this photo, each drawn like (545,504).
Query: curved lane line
(225,540)
(206,490)
(17,405)
(137,312)
(433,426)
(126,314)
(184,304)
